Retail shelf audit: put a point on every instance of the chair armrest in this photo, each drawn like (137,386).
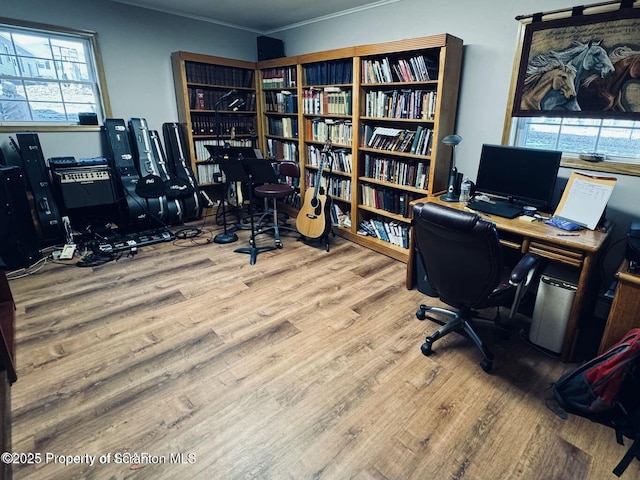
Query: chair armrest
(521,271)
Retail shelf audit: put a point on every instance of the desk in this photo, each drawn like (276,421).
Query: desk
(625,307)
(579,251)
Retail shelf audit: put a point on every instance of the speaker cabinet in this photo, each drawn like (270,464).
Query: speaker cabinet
(19,245)
(269,48)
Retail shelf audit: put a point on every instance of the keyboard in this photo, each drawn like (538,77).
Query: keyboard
(501,209)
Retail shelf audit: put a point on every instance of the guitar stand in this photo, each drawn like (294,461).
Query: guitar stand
(241,170)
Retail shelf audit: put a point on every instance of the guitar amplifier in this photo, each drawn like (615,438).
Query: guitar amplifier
(82,183)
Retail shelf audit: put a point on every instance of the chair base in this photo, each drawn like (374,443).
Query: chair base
(276,227)
(461,322)
(253,252)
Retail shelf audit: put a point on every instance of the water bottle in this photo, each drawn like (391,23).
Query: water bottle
(465,190)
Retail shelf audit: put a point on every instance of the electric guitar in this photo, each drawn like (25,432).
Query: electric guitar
(314,217)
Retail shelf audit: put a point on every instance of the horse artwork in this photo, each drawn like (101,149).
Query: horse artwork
(599,50)
(608,94)
(585,58)
(540,81)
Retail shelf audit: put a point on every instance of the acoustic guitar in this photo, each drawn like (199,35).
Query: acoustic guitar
(314,218)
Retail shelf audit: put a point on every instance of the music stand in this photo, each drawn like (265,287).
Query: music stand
(243,170)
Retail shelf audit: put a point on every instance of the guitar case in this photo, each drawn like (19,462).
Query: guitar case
(35,171)
(174,141)
(169,181)
(119,150)
(150,185)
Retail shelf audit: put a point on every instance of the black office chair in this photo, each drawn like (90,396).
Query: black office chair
(462,257)
(274,191)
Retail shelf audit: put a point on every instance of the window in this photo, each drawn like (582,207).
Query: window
(616,140)
(48,76)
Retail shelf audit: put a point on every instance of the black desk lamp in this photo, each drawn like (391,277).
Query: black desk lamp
(452,195)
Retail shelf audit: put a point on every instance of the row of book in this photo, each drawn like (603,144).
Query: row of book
(229,125)
(206,99)
(392,232)
(418,142)
(402,172)
(337,72)
(387,199)
(338,187)
(279,77)
(282,150)
(342,159)
(208,173)
(283,127)
(202,153)
(209,74)
(340,132)
(326,101)
(281,102)
(411,104)
(339,217)
(418,68)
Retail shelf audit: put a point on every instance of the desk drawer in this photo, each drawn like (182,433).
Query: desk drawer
(559,254)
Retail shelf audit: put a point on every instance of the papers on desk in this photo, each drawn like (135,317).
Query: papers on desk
(584,199)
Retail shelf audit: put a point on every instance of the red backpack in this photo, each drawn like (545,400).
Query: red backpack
(606,390)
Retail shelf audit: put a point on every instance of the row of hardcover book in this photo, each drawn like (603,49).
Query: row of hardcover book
(387,199)
(202,153)
(279,77)
(326,101)
(339,187)
(229,125)
(340,132)
(208,74)
(280,102)
(418,142)
(282,150)
(337,72)
(342,159)
(283,127)
(410,104)
(402,172)
(418,68)
(206,99)
(392,232)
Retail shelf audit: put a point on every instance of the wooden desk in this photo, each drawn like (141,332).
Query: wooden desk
(580,251)
(624,314)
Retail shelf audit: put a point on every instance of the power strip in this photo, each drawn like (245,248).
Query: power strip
(67,252)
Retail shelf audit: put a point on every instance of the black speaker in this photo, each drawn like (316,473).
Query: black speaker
(269,48)
(19,245)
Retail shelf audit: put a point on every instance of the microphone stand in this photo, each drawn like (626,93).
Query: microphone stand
(226,236)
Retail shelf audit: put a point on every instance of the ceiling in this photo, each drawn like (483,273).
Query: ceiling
(260,16)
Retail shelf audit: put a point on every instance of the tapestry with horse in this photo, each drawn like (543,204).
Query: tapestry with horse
(581,66)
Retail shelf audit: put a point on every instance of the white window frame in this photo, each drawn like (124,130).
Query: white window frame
(96,79)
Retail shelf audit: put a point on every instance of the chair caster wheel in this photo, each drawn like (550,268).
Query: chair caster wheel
(421,314)
(486,365)
(279,245)
(426,349)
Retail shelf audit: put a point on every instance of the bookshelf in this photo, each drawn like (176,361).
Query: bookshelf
(201,83)
(385,107)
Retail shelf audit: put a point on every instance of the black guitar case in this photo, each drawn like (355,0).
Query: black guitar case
(150,185)
(118,146)
(174,141)
(35,171)
(174,203)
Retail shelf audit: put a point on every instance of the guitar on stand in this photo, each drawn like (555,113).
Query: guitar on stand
(314,217)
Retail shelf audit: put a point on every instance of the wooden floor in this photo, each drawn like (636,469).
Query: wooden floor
(306,365)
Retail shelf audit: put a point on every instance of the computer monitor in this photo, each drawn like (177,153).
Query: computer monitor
(525,176)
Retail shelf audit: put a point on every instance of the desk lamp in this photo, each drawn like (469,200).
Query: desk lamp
(451,196)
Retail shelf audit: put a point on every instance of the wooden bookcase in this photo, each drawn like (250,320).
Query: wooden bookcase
(386,153)
(200,82)
(342,94)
